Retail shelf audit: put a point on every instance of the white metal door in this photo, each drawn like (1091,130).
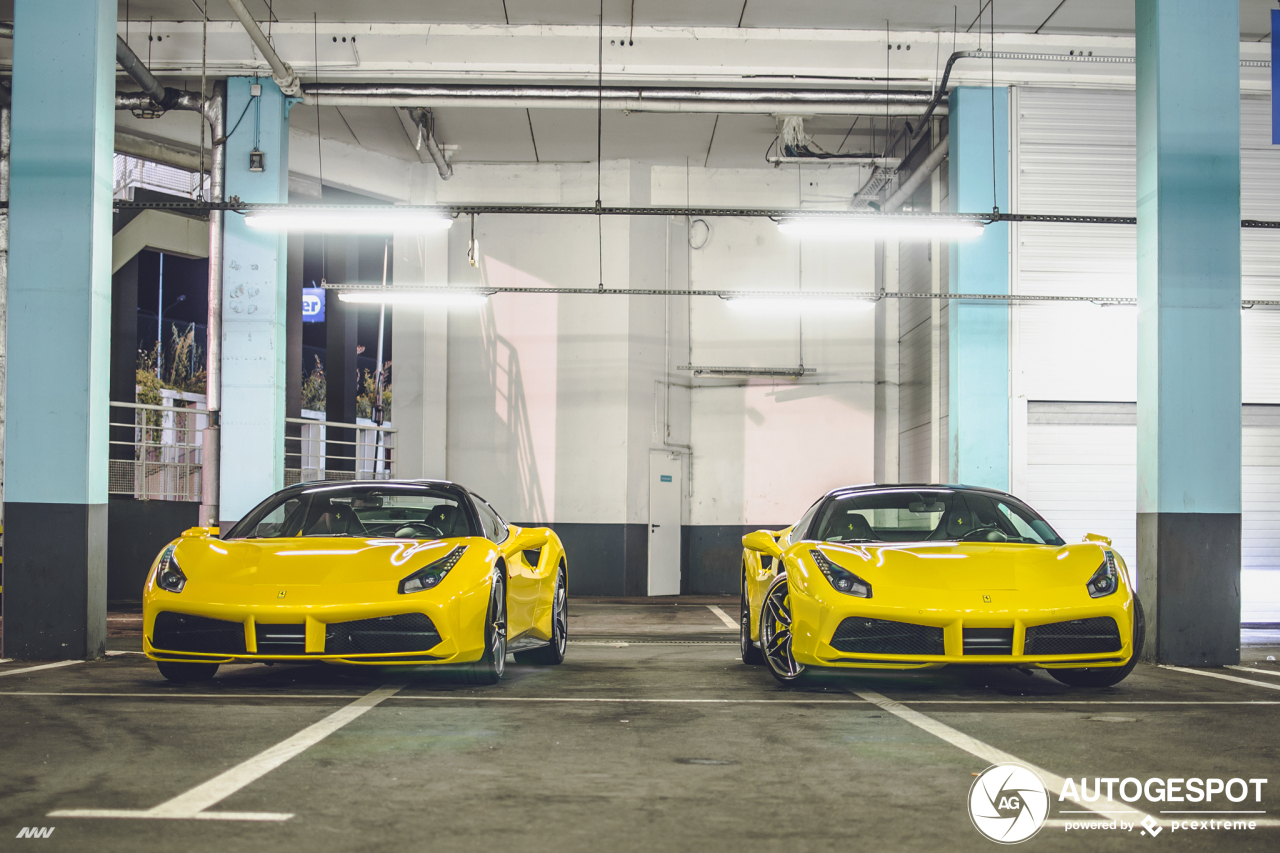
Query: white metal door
(665,488)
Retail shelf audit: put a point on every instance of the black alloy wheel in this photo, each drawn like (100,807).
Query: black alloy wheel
(775,633)
(553,652)
(1111,675)
(750,653)
(181,672)
(491,666)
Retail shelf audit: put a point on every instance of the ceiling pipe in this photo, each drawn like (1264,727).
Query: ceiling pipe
(281,72)
(156,93)
(628,98)
(919,176)
(426,134)
(211,447)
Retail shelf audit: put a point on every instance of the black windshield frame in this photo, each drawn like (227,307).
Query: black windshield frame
(247,527)
(958,503)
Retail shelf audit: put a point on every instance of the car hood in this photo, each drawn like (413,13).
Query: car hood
(306,561)
(969,565)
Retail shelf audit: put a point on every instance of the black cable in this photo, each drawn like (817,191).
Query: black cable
(233,130)
(315,44)
(995,193)
(600,146)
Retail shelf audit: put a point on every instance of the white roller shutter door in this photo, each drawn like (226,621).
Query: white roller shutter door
(1082,475)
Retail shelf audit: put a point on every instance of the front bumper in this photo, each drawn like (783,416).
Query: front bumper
(421,631)
(865,633)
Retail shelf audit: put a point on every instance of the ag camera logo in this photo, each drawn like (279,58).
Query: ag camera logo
(1008,803)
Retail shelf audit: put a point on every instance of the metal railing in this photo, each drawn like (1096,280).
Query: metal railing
(155,451)
(332,450)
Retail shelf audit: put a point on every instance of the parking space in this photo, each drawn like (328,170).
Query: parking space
(646,738)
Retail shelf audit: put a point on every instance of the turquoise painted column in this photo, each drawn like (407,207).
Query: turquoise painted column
(254,300)
(978,332)
(55,490)
(1189,360)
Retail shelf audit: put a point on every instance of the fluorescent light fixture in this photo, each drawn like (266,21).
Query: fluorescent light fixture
(348,221)
(881,227)
(441,298)
(768,304)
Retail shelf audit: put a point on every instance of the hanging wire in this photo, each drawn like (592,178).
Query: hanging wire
(204,117)
(315,43)
(995,195)
(600,147)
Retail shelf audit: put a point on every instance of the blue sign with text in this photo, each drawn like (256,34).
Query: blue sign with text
(313,304)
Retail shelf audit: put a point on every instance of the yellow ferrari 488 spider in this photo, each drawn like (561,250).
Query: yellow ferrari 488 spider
(915,577)
(373,573)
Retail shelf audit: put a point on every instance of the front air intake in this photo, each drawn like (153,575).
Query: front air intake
(883,637)
(1078,637)
(179,632)
(988,641)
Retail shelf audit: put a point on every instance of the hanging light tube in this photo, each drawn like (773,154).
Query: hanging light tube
(881,227)
(347,221)
(441,298)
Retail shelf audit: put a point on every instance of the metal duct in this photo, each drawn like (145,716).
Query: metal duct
(215,113)
(634,99)
(427,135)
(918,177)
(156,94)
(281,71)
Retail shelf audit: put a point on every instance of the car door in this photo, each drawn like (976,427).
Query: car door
(522,579)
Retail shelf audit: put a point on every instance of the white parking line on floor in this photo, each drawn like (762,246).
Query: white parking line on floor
(724,617)
(41,666)
(985,751)
(1275,672)
(1222,675)
(1051,703)
(193,805)
(116,653)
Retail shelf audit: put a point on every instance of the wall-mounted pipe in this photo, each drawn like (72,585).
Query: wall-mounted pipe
(215,112)
(5,113)
(427,136)
(281,71)
(635,99)
(918,177)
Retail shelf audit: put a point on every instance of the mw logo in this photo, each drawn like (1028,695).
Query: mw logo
(36,831)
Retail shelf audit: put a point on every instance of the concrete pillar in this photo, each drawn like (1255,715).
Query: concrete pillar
(1189,359)
(254,303)
(420,372)
(978,332)
(59,330)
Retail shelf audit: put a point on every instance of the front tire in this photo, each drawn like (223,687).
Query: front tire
(775,633)
(183,672)
(751,655)
(552,654)
(491,666)
(1112,675)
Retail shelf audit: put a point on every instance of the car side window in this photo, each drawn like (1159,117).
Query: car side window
(495,529)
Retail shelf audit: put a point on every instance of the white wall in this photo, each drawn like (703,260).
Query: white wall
(554,401)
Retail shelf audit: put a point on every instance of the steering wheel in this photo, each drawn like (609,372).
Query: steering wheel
(972,535)
(418,530)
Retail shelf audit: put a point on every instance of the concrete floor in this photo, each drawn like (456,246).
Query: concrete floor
(652,736)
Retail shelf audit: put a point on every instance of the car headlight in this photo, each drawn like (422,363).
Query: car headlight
(430,575)
(842,579)
(1106,579)
(168,575)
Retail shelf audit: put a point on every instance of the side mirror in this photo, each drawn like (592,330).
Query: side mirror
(1094,537)
(199,532)
(528,538)
(761,541)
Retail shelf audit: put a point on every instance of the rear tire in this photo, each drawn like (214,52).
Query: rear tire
(552,653)
(775,633)
(751,655)
(491,666)
(1112,675)
(183,672)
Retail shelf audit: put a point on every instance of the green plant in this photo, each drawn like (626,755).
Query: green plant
(314,388)
(369,393)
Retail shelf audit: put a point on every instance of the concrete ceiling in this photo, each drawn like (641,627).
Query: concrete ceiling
(1063,17)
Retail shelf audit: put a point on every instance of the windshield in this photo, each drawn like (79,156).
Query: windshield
(372,511)
(917,515)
